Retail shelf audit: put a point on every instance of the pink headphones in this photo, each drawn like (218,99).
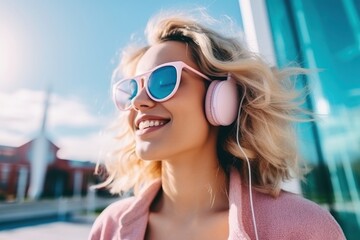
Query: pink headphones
(222,101)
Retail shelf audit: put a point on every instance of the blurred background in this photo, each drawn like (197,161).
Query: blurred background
(56,61)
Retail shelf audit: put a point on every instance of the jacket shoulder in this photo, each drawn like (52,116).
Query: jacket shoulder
(298,218)
(107,224)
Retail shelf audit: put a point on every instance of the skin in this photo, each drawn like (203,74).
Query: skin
(193,202)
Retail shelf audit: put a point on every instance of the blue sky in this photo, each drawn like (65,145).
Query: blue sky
(71,46)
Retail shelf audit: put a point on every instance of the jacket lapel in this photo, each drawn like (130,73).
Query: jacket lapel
(236,224)
(134,220)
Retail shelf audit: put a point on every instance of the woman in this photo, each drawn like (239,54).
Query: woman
(206,142)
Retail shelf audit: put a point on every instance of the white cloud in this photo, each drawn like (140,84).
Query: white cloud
(10,138)
(23,111)
(20,111)
(92,147)
(71,112)
(21,115)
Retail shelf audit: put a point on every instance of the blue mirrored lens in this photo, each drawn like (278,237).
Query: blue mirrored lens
(125,92)
(162,82)
(133,87)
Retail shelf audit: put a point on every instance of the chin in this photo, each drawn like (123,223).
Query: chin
(148,154)
(154,150)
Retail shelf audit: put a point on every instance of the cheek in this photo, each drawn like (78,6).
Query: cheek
(189,113)
(130,115)
(194,109)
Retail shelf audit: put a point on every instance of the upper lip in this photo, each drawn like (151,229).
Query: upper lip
(148,117)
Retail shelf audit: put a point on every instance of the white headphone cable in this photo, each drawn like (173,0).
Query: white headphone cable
(248,165)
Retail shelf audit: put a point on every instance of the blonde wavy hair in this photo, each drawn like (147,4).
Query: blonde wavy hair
(269,108)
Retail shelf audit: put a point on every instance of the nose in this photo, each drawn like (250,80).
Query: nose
(142,101)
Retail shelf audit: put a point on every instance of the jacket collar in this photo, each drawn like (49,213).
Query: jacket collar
(134,220)
(236,206)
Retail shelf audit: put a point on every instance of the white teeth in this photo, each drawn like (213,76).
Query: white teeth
(150,123)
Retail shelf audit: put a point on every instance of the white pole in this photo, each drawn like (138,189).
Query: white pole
(21,187)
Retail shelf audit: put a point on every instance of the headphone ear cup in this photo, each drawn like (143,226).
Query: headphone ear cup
(221,103)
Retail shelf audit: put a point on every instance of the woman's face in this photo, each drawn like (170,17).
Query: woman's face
(178,126)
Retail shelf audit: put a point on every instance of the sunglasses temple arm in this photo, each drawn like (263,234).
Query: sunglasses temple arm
(198,73)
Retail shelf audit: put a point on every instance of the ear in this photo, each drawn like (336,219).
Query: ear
(222,101)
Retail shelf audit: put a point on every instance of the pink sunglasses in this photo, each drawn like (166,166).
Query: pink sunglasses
(161,83)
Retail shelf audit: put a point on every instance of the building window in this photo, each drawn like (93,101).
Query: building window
(326,36)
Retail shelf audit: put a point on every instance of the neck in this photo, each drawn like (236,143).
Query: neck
(193,191)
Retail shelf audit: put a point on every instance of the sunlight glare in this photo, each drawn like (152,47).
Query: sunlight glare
(11,49)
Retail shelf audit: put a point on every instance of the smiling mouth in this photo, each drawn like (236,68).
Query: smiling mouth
(151,123)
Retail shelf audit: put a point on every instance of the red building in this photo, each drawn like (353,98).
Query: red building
(63,177)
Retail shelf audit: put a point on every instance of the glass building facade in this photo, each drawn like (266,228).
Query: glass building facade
(324,35)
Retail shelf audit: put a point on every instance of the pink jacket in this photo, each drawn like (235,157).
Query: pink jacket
(286,217)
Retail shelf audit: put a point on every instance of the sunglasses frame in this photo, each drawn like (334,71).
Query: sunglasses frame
(179,66)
